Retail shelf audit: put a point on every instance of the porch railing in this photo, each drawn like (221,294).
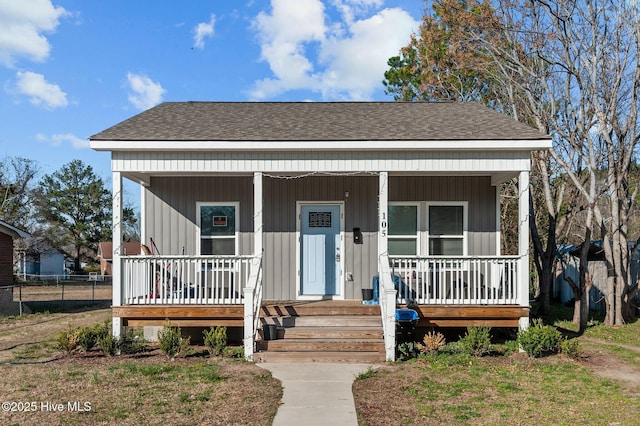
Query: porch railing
(214,280)
(472,280)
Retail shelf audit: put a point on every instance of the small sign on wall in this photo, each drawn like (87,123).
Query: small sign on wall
(219,221)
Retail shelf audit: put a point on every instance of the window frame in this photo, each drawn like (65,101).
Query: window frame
(236,235)
(465,223)
(405,236)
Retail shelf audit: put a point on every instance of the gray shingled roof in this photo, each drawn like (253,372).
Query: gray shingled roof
(309,121)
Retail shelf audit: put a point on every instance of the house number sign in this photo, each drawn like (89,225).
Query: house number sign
(383,224)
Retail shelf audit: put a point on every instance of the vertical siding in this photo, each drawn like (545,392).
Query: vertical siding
(478,191)
(280,221)
(171,209)
(6,259)
(171,217)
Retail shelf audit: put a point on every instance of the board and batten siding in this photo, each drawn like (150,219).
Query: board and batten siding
(171,217)
(280,222)
(170,206)
(477,191)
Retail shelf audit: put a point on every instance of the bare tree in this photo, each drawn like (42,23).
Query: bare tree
(17,178)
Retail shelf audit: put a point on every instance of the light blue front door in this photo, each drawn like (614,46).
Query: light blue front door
(320,249)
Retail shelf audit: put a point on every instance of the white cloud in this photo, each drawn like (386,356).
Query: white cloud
(39,91)
(283,37)
(203,30)
(23,23)
(59,139)
(355,65)
(145,93)
(343,59)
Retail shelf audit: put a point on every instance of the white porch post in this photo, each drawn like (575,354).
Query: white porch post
(257,214)
(116,269)
(250,292)
(383,212)
(387,293)
(523,243)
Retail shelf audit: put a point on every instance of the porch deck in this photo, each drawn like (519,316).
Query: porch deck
(233,315)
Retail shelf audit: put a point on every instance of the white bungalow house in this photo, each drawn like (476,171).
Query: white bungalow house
(261,211)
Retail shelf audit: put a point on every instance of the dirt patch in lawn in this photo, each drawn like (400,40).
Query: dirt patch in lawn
(597,356)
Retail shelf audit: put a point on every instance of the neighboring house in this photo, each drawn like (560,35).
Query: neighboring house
(105,254)
(569,267)
(258,208)
(41,261)
(7,234)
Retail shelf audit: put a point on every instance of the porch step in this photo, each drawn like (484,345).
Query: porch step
(312,335)
(329,332)
(343,321)
(341,356)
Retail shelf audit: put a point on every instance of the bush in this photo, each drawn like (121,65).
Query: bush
(406,351)
(236,352)
(110,345)
(171,341)
(477,341)
(432,342)
(216,340)
(81,337)
(67,340)
(127,343)
(89,336)
(570,348)
(540,340)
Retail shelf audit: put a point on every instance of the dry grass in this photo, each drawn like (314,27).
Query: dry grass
(146,389)
(127,390)
(514,390)
(66,291)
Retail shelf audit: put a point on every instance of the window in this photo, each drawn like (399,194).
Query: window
(447,224)
(217,226)
(403,230)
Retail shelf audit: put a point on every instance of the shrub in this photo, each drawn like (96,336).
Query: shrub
(216,340)
(110,345)
(171,341)
(540,340)
(477,341)
(432,342)
(67,340)
(127,343)
(407,350)
(570,348)
(236,352)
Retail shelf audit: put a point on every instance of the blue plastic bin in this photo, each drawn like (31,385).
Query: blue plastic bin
(406,320)
(376,286)
(406,315)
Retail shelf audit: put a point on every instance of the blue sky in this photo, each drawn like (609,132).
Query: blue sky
(72,68)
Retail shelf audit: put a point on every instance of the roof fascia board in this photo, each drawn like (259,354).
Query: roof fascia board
(430,145)
(14,232)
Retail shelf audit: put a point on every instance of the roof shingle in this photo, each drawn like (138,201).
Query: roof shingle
(318,121)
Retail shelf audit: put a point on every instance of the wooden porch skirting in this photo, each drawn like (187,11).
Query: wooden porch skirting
(233,315)
(181,315)
(470,315)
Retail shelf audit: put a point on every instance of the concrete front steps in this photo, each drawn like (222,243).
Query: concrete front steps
(328,331)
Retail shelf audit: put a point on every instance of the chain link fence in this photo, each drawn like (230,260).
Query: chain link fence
(54,293)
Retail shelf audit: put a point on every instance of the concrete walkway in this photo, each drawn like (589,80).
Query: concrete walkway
(316,393)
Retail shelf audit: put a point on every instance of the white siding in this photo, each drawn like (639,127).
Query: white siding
(289,162)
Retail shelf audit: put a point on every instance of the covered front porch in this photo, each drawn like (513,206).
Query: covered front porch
(205,291)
